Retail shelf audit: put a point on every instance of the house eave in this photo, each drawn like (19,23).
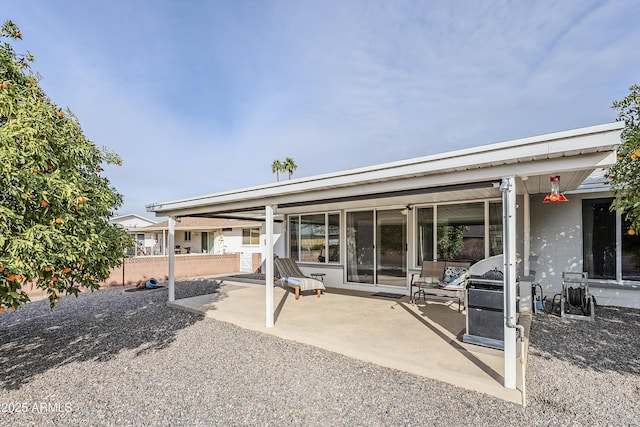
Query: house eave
(534,155)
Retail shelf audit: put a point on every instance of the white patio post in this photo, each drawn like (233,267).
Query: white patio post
(269,264)
(508,188)
(164,242)
(172,258)
(527,234)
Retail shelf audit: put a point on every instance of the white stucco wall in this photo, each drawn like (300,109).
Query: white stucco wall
(556,237)
(228,241)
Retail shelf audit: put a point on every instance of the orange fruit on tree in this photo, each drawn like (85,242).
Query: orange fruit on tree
(58,220)
(11,277)
(60,114)
(631,232)
(36,170)
(66,269)
(1,268)
(1,308)
(634,156)
(81,200)
(54,278)
(47,268)
(44,203)
(49,166)
(13,308)
(4,86)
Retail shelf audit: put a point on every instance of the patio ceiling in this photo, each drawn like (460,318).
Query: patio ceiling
(458,175)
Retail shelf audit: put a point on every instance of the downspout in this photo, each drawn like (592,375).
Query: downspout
(508,218)
(508,266)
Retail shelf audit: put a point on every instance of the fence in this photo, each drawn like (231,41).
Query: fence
(189,265)
(146,267)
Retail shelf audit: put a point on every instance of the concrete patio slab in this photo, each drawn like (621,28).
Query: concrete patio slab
(423,339)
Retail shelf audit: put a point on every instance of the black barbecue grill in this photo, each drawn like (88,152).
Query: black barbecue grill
(485,303)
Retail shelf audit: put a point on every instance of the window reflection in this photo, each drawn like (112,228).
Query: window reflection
(460,233)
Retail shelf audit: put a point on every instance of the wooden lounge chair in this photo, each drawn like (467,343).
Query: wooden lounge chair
(289,273)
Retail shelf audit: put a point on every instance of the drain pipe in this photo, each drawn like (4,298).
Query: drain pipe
(507,194)
(523,362)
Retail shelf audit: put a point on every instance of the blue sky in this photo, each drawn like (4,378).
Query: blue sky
(200,96)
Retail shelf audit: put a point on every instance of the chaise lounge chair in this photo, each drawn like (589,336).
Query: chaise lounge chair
(289,273)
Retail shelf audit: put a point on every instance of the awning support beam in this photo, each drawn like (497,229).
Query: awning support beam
(269,270)
(508,188)
(172,258)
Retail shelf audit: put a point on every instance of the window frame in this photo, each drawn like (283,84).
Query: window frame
(327,247)
(417,264)
(618,281)
(254,233)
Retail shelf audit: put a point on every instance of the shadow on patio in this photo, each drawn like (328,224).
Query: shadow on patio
(423,339)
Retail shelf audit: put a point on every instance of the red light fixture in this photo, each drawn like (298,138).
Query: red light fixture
(555,196)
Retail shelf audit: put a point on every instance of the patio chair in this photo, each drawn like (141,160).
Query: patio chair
(289,273)
(441,279)
(429,278)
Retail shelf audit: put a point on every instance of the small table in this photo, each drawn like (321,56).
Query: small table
(318,276)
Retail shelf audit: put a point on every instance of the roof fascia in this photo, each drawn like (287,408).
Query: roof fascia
(533,150)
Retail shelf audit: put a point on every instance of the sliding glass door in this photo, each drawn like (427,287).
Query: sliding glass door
(376,247)
(360,247)
(391,246)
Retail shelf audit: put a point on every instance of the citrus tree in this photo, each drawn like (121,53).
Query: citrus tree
(624,176)
(54,203)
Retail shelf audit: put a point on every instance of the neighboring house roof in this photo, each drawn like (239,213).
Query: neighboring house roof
(194,223)
(131,221)
(469,173)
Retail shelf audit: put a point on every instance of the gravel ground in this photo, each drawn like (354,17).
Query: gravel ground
(124,358)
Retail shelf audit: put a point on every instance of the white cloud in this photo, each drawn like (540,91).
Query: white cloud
(202,97)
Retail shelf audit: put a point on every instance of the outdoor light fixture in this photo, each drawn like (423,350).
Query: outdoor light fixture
(555,196)
(406,210)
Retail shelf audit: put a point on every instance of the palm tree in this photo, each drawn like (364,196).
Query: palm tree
(289,165)
(277,167)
